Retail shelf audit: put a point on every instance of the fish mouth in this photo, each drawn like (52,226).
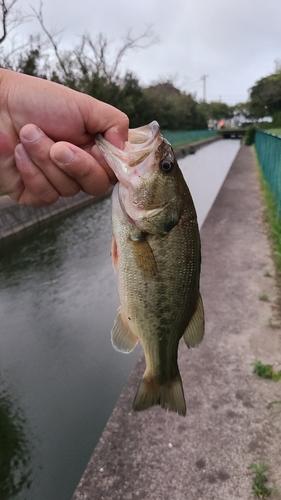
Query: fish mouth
(137,157)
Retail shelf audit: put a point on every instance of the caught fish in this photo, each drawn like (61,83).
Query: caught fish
(156,255)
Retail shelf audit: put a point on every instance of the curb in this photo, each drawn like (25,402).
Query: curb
(192,147)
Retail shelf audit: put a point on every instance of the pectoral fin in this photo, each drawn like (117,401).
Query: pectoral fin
(194,332)
(122,337)
(143,254)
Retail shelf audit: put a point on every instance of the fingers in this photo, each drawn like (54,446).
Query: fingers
(34,188)
(48,170)
(82,167)
(38,145)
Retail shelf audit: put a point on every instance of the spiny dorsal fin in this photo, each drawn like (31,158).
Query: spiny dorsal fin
(194,332)
(122,337)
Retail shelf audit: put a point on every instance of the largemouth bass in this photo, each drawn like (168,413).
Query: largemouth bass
(156,255)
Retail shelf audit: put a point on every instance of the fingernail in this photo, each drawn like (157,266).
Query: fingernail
(21,153)
(32,134)
(64,155)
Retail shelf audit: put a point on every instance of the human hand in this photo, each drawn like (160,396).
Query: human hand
(56,126)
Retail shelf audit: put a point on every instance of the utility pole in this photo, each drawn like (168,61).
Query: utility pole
(204,77)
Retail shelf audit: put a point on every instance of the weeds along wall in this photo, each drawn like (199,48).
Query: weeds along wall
(268,148)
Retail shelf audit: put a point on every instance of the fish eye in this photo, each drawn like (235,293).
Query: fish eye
(166,166)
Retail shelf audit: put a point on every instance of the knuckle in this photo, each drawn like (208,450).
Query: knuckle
(50,197)
(43,199)
(125,120)
(71,190)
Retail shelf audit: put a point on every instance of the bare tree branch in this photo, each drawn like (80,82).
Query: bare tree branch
(92,55)
(133,43)
(10,17)
(100,50)
(51,37)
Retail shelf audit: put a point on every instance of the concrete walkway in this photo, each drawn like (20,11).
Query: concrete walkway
(156,455)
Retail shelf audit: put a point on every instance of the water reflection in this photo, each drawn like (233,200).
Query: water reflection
(15,471)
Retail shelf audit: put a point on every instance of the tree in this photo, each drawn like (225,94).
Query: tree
(172,108)
(216,110)
(242,113)
(265,96)
(92,56)
(92,67)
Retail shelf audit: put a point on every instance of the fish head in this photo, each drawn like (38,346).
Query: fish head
(149,176)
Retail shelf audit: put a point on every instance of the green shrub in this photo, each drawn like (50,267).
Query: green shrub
(250,135)
(276,122)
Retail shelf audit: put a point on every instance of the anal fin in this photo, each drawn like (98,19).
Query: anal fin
(194,332)
(122,337)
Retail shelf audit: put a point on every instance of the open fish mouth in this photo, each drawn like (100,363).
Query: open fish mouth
(137,157)
(143,136)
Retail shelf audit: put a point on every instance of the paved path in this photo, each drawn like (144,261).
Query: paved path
(156,455)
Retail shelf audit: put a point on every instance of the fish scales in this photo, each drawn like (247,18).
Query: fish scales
(156,255)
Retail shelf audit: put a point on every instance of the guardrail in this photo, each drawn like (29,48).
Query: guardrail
(268,148)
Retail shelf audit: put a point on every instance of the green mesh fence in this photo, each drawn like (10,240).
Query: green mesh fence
(268,149)
(182,137)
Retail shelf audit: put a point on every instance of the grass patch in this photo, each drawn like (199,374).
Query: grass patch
(275,131)
(273,221)
(260,480)
(273,403)
(273,224)
(266,371)
(264,297)
(271,324)
(267,274)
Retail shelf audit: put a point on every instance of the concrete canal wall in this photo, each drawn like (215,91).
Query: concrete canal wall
(16,218)
(192,147)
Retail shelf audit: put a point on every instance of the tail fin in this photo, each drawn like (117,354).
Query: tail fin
(168,395)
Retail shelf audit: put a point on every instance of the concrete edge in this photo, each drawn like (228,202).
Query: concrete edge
(192,147)
(15,219)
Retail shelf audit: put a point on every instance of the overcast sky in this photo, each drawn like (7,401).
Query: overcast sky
(234,42)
